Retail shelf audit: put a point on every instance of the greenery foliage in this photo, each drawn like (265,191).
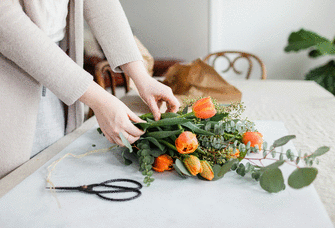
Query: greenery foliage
(319,46)
(219,138)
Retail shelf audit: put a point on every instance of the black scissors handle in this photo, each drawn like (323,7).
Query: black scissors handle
(117,189)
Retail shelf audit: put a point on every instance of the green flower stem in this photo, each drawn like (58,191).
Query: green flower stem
(180,127)
(168,144)
(200,151)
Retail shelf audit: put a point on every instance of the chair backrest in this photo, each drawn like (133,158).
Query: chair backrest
(105,77)
(211,59)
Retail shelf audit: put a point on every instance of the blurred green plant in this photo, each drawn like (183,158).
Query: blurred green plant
(318,46)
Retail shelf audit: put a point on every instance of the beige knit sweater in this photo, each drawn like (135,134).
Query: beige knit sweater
(29,58)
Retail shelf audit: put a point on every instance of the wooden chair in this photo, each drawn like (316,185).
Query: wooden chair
(105,77)
(211,59)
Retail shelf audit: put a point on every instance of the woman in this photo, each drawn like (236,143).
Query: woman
(37,76)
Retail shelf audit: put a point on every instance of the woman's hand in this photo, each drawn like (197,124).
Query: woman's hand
(112,115)
(151,91)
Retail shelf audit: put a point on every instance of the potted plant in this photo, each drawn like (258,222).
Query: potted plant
(318,46)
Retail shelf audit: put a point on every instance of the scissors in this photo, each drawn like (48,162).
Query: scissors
(115,189)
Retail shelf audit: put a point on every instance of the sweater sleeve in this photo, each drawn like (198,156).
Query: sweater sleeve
(110,26)
(23,43)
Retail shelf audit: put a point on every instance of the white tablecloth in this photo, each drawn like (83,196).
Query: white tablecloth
(308,111)
(233,201)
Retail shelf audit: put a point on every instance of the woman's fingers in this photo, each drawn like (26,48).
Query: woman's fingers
(132,116)
(154,109)
(172,104)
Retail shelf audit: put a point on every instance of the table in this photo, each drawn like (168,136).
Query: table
(307,110)
(296,103)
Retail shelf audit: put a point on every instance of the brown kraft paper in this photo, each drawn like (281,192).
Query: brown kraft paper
(199,79)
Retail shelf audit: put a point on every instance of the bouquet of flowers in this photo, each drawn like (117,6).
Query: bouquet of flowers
(207,140)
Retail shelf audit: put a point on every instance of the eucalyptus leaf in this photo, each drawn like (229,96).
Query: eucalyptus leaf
(320,151)
(226,167)
(178,171)
(283,140)
(216,169)
(157,152)
(272,180)
(182,168)
(125,142)
(302,177)
(274,165)
(126,160)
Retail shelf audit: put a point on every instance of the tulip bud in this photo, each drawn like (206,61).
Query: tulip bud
(162,163)
(255,138)
(193,164)
(204,108)
(186,143)
(207,171)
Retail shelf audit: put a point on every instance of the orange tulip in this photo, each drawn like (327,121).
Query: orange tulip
(162,163)
(193,164)
(186,143)
(207,171)
(255,138)
(204,108)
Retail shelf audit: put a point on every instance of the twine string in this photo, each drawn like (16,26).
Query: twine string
(53,165)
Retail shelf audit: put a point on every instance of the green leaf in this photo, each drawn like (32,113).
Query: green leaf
(163,134)
(178,171)
(320,151)
(302,177)
(225,168)
(169,145)
(125,142)
(142,126)
(157,152)
(274,165)
(283,140)
(272,180)
(218,116)
(155,142)
(168,115)
(146,116)
(216,169)
(145,152)
(324,76)
(182,168)
(196,129)
(305,39)
(167,122)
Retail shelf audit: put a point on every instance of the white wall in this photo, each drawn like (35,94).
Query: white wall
(262,27)
(170,28)
(185,29)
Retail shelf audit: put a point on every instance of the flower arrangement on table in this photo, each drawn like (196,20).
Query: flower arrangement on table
(210,141)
